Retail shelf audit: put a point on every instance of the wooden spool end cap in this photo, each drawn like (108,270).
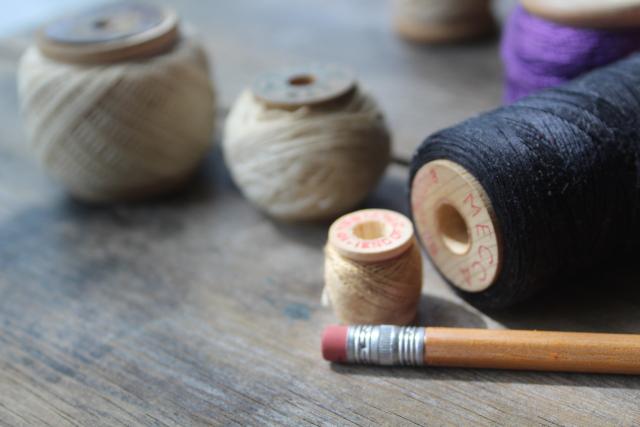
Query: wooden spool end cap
(604,14)
(111,33)
(444,33)
(450,21)
(299,86)
(456,224)
(371,235)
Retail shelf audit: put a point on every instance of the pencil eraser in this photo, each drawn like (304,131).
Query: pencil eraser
(334,343)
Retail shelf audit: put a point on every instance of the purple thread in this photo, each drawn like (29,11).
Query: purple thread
(538,54)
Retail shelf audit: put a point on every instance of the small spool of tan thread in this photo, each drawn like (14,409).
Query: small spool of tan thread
(117,102)
(306,143)
(373,268)
(441,21)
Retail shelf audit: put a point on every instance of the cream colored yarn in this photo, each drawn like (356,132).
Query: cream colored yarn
(386,292)
(314,162)
(123,130)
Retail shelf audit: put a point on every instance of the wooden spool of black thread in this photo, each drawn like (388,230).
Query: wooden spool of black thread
(538,193)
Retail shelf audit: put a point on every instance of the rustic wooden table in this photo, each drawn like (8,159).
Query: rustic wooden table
(196,309)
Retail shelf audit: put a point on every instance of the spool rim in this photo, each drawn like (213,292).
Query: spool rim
(470,259)
(137,31)
(295,87)
(371,235)
(610,14)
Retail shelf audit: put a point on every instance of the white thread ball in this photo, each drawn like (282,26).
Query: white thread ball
(310,163)
(123,130)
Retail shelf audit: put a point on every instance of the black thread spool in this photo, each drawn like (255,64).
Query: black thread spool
(537,193)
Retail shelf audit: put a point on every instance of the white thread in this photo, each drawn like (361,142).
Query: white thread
(122,130)
(311,163)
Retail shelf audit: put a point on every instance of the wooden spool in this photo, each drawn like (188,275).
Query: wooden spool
(456,223)
(371,235)
(410,22)
(587,13)
(373,268)
(296,87)
(112,33)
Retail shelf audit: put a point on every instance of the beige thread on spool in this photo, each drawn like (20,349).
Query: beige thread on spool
(437,21)
(117,103)
(373,268)
(455,220)
(306,143)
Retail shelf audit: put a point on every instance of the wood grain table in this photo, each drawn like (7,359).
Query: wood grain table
(196,309)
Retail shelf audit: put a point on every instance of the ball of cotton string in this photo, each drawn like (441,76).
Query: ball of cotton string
(308,163)
(119,130)
(538,53)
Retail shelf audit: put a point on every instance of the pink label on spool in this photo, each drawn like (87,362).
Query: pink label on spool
(455,224)
(371,234)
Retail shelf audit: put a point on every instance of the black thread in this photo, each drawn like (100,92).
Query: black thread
(562,171)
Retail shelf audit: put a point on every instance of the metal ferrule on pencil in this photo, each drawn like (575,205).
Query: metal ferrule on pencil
(385,345)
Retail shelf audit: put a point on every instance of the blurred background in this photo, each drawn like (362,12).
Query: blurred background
(22,15)
(244,38)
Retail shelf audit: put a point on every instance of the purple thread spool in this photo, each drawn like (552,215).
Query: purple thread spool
(538,54)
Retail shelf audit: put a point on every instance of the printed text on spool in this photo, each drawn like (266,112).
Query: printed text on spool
(455,221)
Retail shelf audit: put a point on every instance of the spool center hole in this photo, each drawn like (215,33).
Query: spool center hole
(369,230)
(101,23)
(301,80)
(453,230)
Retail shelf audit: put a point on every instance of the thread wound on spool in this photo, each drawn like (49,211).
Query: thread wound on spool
(539,54)
(122,130)
(437,21)
(560,170)
(306,151)
(373,268)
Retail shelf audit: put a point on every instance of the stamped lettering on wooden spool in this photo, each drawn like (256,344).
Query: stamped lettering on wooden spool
(587,13)
(456,223)
(299,86)
(371,235)
(110,33)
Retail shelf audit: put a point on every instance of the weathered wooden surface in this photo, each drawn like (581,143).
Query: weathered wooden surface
(196,309)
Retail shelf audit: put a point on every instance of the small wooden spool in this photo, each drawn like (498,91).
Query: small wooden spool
(456,223)
(409,23)
(112,33)
(296,87)
(373,268)
(371,235)
(603,14)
